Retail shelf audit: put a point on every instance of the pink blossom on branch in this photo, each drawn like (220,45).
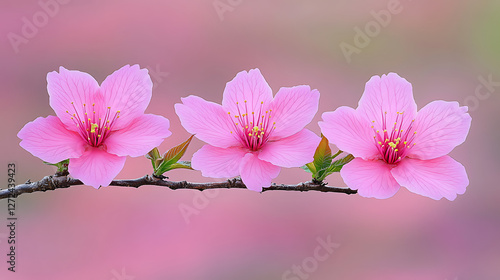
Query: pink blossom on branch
(396,146)
(96,126)
(252,134)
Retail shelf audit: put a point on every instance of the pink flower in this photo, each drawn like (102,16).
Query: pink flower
(394,146)
(251,134)
(96,127)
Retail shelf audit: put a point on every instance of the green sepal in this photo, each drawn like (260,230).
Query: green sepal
(62,167)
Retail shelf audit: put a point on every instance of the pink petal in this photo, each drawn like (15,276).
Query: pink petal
(292,109)
(372,178)
(129,91)
(208,120)
(218,162)
(66,87)
(435,178)
(293,151)
(440,127)
(389,94)
(349,132)
(251,87)
(49,140)
(140,137)
(257,174)
(96,167)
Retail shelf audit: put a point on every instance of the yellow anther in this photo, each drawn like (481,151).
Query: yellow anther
(118,112)
(255,128)
(236,123)
(71,102)
(396,150)
(378,131)
(404,142)
(229,113)
(372,126)
(262,102)
(401,130)
(84,105)
(373,121)
(253,113)
(93,127)
(274,122)
(392,145)
(246,126)
(67,112)
(231,132)
(415,132)
(98,135)
(109,107)
(236,116)
(93,104)
(399,157)
(85,113)
(249,134)
(385,130)
(380,143)
(245,101)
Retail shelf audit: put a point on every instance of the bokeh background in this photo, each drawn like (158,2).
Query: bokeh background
(194,47)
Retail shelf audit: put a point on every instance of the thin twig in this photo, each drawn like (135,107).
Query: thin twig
(60,182)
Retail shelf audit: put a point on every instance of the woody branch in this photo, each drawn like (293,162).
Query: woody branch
(53,182)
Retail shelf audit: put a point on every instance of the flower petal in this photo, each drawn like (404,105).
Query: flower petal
(218,162)
(67,87)
(140,137)
(96,167)
(207,120)
(391,94)
(257,174)
(293,151)
(49,140)
(372,178)
(440,127)
(292,109)
(350,133)
(435,178)
(129,91)
(246,86)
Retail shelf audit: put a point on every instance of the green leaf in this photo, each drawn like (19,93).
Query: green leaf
(172,157)
(338,164)
(307,168)
(323,154)
(155,157)
(178,165)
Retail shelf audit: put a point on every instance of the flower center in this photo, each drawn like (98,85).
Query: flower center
(252,129)
(395,143)
(92,127)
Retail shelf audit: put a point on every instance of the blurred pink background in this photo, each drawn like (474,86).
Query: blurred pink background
(441,47)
